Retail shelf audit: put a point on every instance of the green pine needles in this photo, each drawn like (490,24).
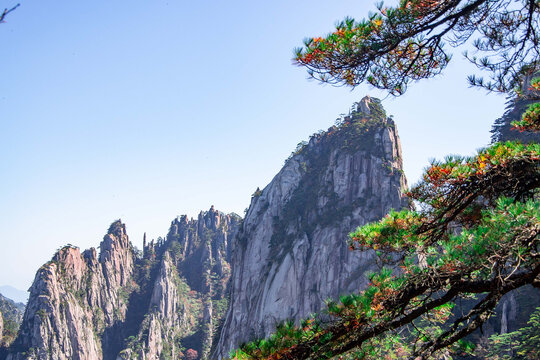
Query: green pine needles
(474,235)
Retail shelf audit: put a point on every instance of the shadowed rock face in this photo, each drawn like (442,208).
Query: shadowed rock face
(502,130)
(292,252)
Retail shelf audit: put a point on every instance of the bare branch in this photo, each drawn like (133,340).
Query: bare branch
(7,11)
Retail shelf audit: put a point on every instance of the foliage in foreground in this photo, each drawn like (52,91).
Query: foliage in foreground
(475,237)
(523,344)
(397,45)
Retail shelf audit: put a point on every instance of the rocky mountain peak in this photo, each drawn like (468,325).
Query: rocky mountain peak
(74,298)
(363,106)
(291,254)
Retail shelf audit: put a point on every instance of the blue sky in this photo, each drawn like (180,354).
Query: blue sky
(144,110)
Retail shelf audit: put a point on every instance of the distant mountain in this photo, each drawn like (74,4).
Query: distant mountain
(502,129)
(11,314)
(17,295)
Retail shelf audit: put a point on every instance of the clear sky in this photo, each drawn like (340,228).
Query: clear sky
(144,110)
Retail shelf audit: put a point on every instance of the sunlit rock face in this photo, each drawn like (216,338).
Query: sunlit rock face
(291,254)
(74,297)
(121,304)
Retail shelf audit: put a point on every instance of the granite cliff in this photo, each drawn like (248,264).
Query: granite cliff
(291,253)
(74,298)
(187,299)
(124,304)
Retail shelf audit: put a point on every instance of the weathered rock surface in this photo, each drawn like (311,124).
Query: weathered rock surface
(187,301)
(168,315)
(73,299)
(122,305)
(292,253)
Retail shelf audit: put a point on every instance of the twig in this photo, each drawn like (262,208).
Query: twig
(7,11)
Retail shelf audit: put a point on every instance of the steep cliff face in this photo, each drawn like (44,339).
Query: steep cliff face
(121,305)
(187,301)
(292,252)
(74,298)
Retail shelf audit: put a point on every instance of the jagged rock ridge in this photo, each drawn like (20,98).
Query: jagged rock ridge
(120,304)
(74,298)
(292,253)
(187,302)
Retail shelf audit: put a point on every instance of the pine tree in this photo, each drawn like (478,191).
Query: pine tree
(474,236)
(522,344)
(395,46)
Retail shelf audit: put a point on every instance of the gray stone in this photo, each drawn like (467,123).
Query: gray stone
(315,264)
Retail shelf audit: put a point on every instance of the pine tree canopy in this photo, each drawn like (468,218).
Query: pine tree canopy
(396,45)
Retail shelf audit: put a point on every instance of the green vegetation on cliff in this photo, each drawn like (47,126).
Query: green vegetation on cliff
(11,313)
(360,131)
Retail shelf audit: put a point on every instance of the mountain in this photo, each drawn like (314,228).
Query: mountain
(187,300)
(10,319)
(74,298)
(125,304)
(219,280)
(292,253)
(19,296)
